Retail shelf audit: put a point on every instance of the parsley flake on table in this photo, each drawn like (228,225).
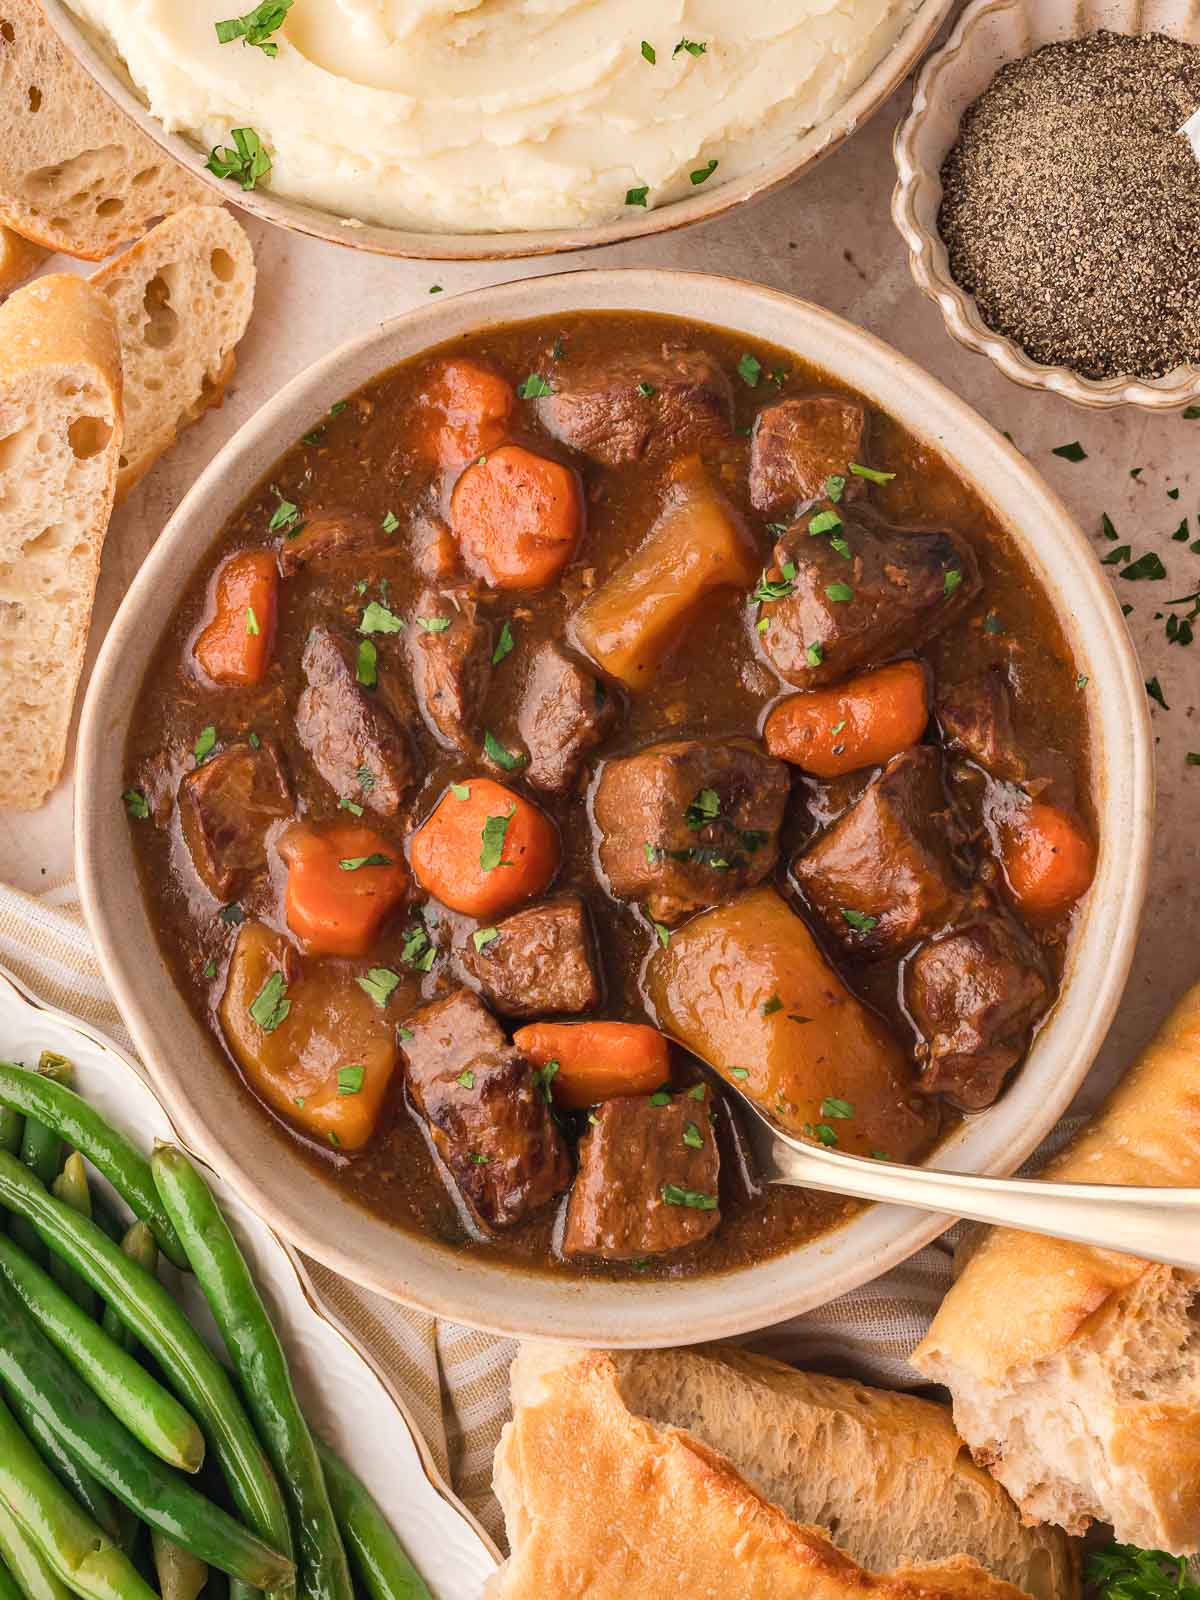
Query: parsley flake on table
(693,47)
(1189,415)
(534,387)
(270,1006)
(1147,566)
(256,27)
(1154,690)
(495,830)
(1070,452)
(246,162)
(379,984)
(136,804)
(649,53)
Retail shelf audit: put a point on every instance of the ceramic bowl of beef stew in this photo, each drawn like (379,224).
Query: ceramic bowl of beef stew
(550,693)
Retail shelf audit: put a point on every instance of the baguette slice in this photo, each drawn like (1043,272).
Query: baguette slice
(18,259)
(603,1502)
(60,440)
(76,174)
(182,297)
(1075,1372)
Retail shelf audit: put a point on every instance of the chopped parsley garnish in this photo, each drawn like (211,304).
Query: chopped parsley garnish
(860,921)
(435,288)
(1147,566)
(771,589)
(692,1136)
(136,804)
(390,522)
(270,1006)
(704,173)
(482,937)
(354,863)
(285,516)
(661,1097)
(661,931)
(814,655)
(1070,452)
(1154,690)
(1125,1572)
(434,624)
(822,1133)
(698,1091)
(418,951)
(315,436)
(835,487)
(205,744)
(245,161)
(749,370)
(739,1072)
(870,473)
(461,791)
(992,623)
(210,969)
(825,522)
(404,1034)
(649,53)
(637,197)
(256,27)
(380,984)
(366,668)
(544,1077)
(466,1079)
(1081,681)
(366,779)
(377,618)
(506,759)
(495,830)
(771,1006)
(252,626)
(836,1110)
(646,390)
(839,592)
(951,581)
(534,387)
(232,914)
(338,407)
(693,48)
(704,809)
(352,806)
(350,1080)
(479,1159)
(254,741)
(673,1195)
(505,644)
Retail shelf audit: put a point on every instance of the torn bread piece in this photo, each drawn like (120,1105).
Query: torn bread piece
(183,297)
(60,441)
(1075,1372)
(611,1488)
(76,174)
(19,259)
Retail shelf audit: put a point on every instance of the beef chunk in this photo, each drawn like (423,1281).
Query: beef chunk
(882,877)
(355,741)
(976,718)
(648,1181)
(566,710)
(540,961)
(327,539)
(487,1116)
(622,408)
(893,589)
(798,444)
(975,995)
(451,669)
(226,807)
(690,824)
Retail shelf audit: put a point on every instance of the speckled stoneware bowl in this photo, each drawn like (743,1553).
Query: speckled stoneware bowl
(988,35)
(807,151)
(197,1084)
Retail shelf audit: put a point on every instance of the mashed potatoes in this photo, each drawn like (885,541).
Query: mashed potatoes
(476,115)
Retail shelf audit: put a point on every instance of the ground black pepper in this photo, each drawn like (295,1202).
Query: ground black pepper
(1071,205)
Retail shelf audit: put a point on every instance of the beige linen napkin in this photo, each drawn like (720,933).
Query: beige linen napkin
(456,1379)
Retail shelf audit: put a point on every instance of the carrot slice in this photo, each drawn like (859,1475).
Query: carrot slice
(484,849)
(860,723)
(467,408)
(235,647)
(517,517)
(597,1060)
(343,882)
(1048,860)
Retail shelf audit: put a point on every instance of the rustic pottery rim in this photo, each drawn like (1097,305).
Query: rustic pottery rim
(923,138)
(195,1082)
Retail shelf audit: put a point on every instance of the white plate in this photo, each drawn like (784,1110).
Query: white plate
(343,1393)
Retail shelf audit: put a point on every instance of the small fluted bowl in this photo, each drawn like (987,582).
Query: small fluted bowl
(988,35)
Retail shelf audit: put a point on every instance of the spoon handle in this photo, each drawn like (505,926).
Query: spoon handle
(1156,1224)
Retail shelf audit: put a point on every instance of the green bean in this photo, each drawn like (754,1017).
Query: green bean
(71,1187)
(380,1560)
(75,1549)
(32,1371)
(12,1125)
(153,1416)
(180,1575)
(8,1585)
(189,1366)
(92,1496)
(110,1152)
(41,1150)
(260,1363)
(26,1562)
(139,1245)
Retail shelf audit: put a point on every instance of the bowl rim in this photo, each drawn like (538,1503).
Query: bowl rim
(819,142)
(500,1298)
(929,265)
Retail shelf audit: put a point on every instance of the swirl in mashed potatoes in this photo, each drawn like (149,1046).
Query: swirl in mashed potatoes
(468,116)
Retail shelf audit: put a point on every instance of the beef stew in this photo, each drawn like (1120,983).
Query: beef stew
(589,678)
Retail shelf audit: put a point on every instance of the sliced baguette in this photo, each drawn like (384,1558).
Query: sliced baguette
(19,259)
(182,297)
(76,174)
(612,1486)
(60,441)
(1075,1373)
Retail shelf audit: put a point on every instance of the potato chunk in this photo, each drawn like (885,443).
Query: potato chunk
(746,988)
(697,544)
(311,1043)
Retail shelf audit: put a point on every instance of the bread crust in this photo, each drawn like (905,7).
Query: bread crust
(1033,1322)
(601,1504)
(19,259)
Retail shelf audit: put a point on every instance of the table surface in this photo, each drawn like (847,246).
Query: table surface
(830,239)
